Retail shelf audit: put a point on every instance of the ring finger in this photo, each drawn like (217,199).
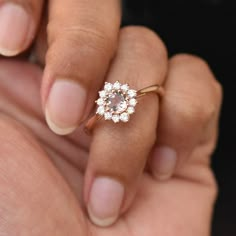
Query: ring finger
(119,151)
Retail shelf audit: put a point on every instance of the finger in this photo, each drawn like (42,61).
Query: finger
(26,108)
(81,43)
(32,187)
(188,115)
(118,152)
(41,46)
(19,21)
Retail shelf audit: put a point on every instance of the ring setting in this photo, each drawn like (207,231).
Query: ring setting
(116,102)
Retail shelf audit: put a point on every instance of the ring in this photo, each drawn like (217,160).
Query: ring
(117,102)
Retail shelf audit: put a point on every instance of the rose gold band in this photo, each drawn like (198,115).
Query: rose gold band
(157,89)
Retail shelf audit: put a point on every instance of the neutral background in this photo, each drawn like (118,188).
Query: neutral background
(206,28)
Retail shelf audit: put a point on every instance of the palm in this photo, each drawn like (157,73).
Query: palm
(180,206)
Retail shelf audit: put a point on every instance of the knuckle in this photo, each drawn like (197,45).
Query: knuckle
(144,42)
(202,104)
(193,111)
(92,39)
(189,60)
(79,53)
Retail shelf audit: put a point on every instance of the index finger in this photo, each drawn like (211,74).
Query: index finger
(82,39)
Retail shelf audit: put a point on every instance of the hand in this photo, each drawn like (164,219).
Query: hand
(42,174)
(79,38)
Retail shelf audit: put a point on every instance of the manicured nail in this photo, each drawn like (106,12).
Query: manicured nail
(163,162)
(15,28)
(65,106)
(105,201)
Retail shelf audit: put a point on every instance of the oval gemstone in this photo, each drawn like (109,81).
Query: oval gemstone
(116,102)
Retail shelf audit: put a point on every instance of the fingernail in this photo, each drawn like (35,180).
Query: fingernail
(163,162)
(65,106)
(105,201)
(15,25)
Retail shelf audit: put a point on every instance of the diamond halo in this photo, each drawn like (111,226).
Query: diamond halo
(116,102)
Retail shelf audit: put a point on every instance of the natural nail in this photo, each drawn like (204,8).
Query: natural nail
(65,106)
(15,27)
(163,162)
(106,197)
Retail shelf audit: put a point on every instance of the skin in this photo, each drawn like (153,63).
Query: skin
(41,183)
(58,172)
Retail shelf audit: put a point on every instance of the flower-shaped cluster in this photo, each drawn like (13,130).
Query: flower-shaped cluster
(116,102)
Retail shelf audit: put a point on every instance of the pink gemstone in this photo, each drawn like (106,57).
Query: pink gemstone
(116,102)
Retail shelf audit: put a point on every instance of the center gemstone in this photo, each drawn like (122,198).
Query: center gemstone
(116,102)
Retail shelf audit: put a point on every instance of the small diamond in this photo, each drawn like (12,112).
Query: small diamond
(132,93)
(100,102)
(116,118)
(102,94)
(125,87)
(116,102)
(108,87)
(108,116)
(100,110)
(130,110)
(133,102)
(124,117)
(116,85)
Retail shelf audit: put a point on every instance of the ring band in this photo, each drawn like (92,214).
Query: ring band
(117,102)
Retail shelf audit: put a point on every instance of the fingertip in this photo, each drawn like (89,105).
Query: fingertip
(56,128)
(163,163)
(65,106)
(105,201)
(101,222)
(17,29)
(8,52)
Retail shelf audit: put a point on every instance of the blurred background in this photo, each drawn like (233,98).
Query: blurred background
(206,28)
